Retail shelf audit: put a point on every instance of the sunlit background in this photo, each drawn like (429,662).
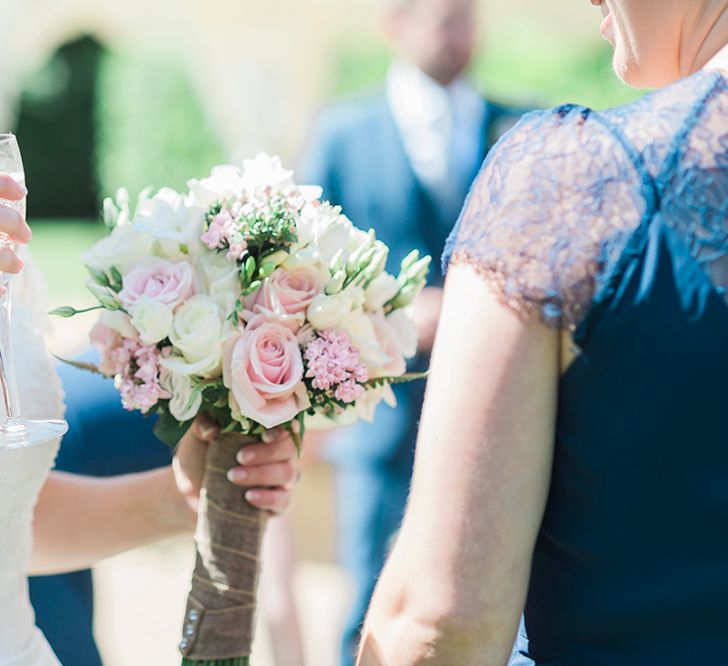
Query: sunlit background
(103,93)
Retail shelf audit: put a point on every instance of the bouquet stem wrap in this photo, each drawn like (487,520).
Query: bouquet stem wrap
(220,615)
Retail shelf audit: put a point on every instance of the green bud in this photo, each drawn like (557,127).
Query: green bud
(64,312)
(377,265)
(418,271)
(410,259)
(249,268)
(366,258)
(252,287)
(336,283)
(266,270)
(406,296)
(338,262)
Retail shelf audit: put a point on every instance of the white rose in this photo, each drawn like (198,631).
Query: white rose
(330,311)
(405,331)
(219,278)
(152,319)
(196,333)
(265,171)
(186,401)
(124,247)
(223,183)
(174,227)
(381,289)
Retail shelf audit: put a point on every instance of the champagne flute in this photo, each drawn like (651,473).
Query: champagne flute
(15,431)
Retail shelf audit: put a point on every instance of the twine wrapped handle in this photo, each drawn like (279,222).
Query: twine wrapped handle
(220,615)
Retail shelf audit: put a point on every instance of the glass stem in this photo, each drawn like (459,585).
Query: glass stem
(8,385)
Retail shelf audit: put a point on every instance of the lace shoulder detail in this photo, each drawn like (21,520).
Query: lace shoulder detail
(550,212)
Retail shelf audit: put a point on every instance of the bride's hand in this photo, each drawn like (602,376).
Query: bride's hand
(12,223)
(268,470)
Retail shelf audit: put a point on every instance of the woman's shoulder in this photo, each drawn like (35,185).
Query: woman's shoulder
(555,191)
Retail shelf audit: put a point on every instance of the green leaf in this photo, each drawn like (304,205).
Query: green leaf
(116,277)
(169,430)
(98,276)
(252,287)
(402,379)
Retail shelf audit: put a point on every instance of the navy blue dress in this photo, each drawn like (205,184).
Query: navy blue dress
(614,225)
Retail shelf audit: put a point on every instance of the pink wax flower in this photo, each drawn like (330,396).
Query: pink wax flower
(219,231)
(137,375)
(160,281)
(333,363)
(236,250)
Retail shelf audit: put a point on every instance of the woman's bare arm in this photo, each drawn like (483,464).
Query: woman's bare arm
(453,589)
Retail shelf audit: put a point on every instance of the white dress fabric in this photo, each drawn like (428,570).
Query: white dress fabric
(22,474)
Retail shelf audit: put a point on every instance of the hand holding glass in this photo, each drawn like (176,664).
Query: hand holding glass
(15,431)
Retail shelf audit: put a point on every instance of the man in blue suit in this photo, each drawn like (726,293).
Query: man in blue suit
(103,440)
(400,162)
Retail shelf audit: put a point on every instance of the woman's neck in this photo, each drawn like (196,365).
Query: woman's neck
(711,51)
(719,60)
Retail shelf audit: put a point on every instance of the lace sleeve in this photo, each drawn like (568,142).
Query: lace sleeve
(549,213)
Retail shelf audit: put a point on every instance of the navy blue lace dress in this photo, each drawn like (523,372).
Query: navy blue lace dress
(614,226)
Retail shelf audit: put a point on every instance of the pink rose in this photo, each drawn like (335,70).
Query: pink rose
(160,281)
(263,369)
(287,293)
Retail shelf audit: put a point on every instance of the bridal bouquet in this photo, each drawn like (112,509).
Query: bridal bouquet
(251,300)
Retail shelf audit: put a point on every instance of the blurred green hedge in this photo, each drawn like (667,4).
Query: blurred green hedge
(92,120)
(150,124)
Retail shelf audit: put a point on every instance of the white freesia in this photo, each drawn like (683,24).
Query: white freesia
(363,334)
(405,331)
(186,400)
(174,227)
(219,278)
(381,290)
(324,228)
(224,182)
(152,319)
(123,248)
(331,311)
(264,171)
(196,335)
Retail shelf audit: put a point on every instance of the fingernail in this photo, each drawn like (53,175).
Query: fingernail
(25,190)
(244,457)
(237,474)
(207,431)
(253,496)
(268,436)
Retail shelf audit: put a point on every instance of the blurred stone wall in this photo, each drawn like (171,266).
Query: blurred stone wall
(260,66)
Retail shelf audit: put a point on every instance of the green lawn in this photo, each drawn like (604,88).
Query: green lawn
(57,246)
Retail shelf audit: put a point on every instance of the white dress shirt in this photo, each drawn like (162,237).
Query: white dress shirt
(440,126)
